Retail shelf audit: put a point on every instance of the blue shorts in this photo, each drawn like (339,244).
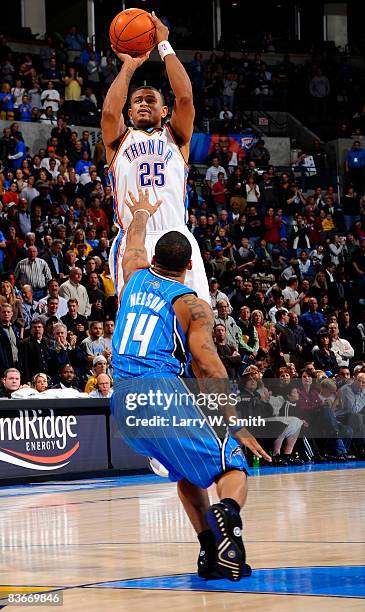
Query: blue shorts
(178,435)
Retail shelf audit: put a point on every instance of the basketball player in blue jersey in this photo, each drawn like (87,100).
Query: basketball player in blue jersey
(151,156)
(159,322)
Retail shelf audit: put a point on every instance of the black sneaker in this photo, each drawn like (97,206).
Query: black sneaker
(278,461)
(206,565)
(226,526)
(293,460)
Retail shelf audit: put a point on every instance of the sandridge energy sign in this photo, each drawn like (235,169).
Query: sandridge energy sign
(38,439)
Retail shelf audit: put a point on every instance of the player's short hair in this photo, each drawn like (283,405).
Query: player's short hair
(173,251)
(147,87)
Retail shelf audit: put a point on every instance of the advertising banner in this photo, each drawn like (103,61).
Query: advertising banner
(235,145)
(39,440)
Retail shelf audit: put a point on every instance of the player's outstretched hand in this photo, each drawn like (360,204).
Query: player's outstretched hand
(135,62)
(143,203)
(162,31)
(250,442)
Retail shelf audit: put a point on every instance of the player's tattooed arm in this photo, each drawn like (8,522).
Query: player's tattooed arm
(135,255)
(112,120)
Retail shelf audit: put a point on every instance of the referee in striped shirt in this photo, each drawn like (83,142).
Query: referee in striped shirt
(33,271)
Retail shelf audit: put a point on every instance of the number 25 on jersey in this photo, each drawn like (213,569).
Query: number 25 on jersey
(151,174)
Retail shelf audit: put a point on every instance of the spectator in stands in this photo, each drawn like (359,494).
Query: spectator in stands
(350,410)
(260,154)
(216,294)
(211,176)
(66,350)
(9,339)
(249,340)
(33,271)
(50,97)
(20,152)
(67,378)
(10,382)
(228,354)
(100,366)
(234,335)
(323,357)
(312,320)
(103,388)
(341,347)
(73,289)
(55,261)
(95,344)
(8,296)
(74,40)
(33,351)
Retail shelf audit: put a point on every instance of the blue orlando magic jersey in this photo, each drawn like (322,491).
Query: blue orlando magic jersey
(148,340)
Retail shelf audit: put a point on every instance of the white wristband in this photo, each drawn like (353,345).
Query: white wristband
(142,210)
(164,48)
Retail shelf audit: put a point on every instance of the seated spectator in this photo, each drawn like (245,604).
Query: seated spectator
(100,366)
(229,356)
(40,382)
(33,351)
(95,344)
(249,341)
(73,289)
(350,410)
(323,357)
(51,310)
(211,176)
(234,336)
(67,378)
(341,347)
(66,350)
(8,296)
(312,320)
(75,322)
(10,383)
(53,290)
(33,271)
(9,339)
(103,388)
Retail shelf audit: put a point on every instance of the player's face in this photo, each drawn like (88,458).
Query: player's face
(147,109)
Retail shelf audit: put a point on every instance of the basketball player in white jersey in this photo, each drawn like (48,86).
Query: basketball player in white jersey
(150,156)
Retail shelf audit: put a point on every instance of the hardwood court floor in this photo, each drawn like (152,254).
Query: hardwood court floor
(76,534)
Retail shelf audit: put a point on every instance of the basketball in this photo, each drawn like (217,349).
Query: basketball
(133,32)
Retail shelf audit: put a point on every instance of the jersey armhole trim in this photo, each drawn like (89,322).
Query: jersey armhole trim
(182,295)
(122,139)
(174,138)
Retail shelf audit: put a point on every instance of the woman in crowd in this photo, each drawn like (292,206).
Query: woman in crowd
(8,296)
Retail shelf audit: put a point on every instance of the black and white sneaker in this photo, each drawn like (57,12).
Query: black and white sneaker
(226,526)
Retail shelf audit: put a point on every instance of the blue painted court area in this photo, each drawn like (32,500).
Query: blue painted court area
(144,479)
(337,581)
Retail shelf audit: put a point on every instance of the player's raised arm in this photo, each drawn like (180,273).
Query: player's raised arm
(135,255)
(112,120)
(182,120)
(197,318)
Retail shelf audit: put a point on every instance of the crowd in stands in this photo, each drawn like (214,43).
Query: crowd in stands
(69,75)
(286,269)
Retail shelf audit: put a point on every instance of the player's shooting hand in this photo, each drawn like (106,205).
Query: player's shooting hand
(162,31)
(142,204)
(134,62)
(250,442)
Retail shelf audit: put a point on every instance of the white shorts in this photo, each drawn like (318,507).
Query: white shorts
(195,278)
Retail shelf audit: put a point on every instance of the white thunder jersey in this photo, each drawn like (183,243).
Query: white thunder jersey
(150,159)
